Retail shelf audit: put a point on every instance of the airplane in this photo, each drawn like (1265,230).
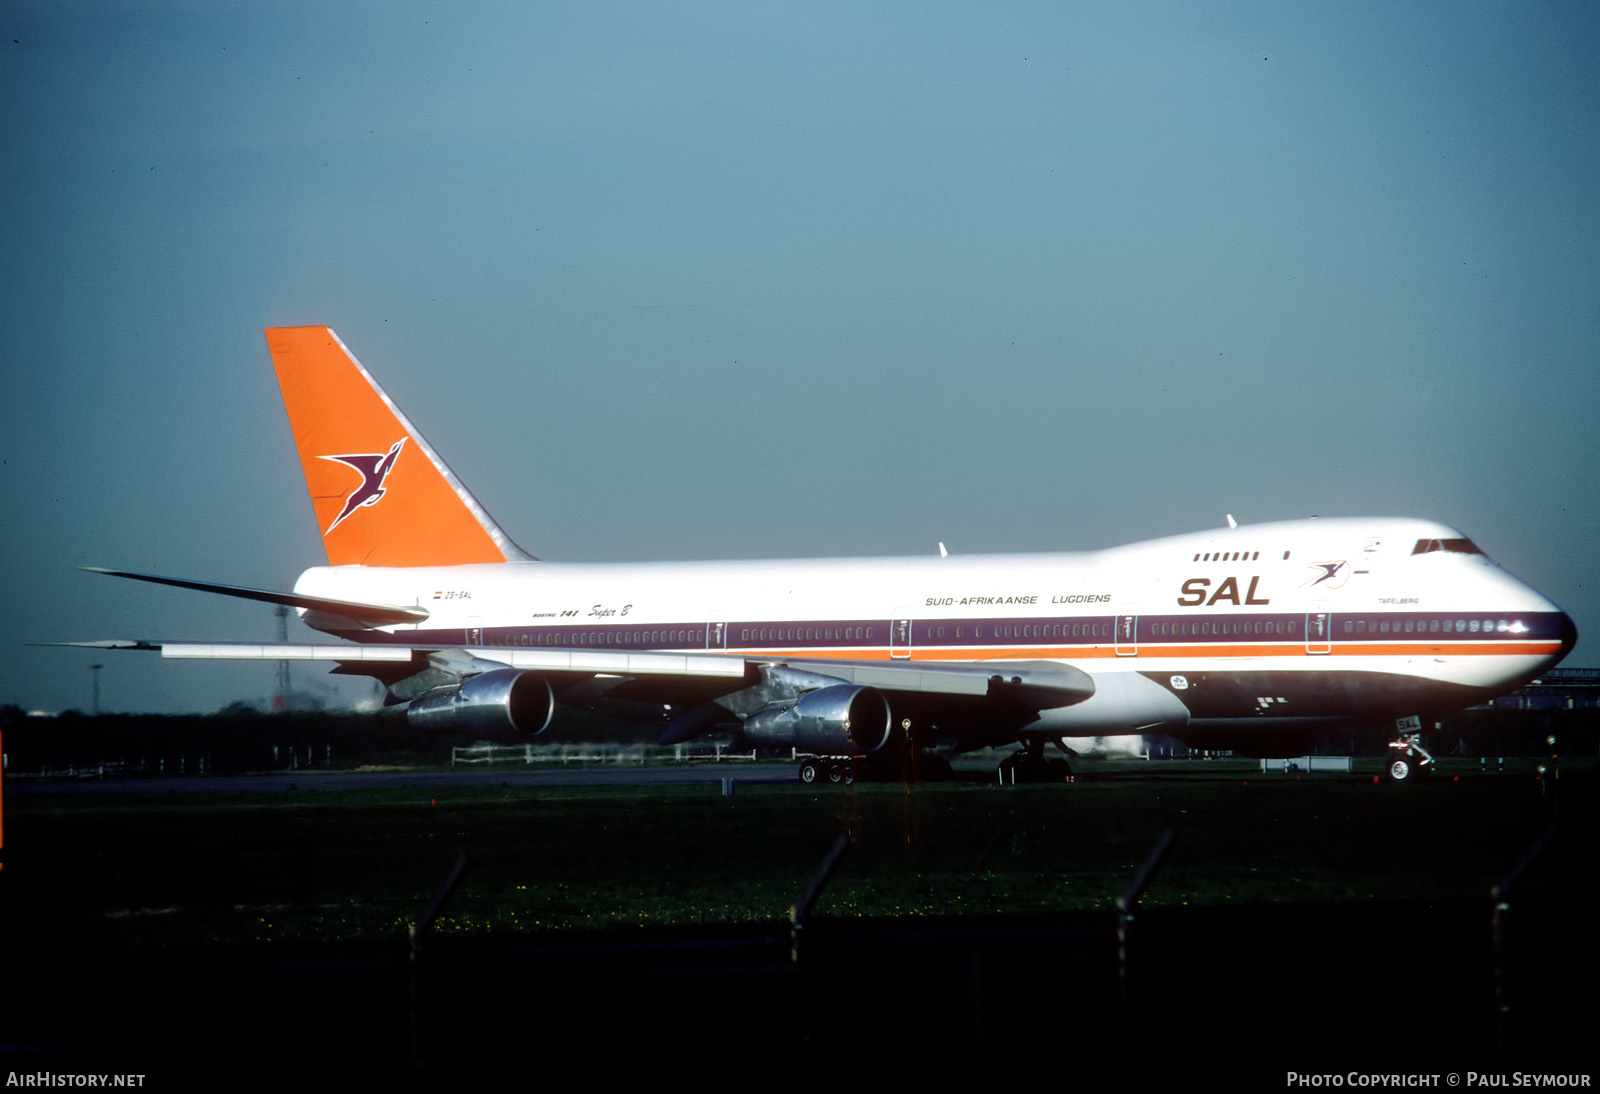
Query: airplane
(1249,637)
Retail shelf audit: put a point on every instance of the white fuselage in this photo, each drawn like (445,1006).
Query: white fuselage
(1295,618)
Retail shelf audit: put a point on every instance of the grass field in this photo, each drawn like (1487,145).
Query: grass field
(131,872)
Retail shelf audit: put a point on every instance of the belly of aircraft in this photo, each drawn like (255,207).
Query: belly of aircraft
(1335,692)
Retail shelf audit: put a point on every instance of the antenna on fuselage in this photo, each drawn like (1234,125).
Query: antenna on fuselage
(942,552)
(1231,522)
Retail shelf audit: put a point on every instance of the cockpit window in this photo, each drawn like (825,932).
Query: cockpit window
(1455,546)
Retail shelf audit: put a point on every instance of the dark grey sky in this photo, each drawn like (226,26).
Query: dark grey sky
(721,280)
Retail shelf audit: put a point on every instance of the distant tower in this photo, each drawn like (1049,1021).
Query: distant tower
(280,692)
(94,677)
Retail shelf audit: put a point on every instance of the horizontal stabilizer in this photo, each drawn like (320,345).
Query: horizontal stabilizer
(370,614)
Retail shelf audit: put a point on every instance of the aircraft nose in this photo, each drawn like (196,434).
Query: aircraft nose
(1569,635)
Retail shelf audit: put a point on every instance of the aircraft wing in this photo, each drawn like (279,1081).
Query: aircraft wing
(1066,684)
(1050,683)
(249,651)
(488,689)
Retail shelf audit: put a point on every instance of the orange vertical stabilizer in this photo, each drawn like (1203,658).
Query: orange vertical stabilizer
(382,495)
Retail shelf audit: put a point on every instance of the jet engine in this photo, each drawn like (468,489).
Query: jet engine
(840,720)
(501,704)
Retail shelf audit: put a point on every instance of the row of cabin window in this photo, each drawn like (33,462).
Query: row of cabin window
(1103,630)
(1434,626)
(1236,556)
(1028,630)
(598,638)
(1265,628)
(1055,630)
(805,634)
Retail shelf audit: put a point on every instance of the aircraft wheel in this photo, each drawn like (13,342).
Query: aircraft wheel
(1060,770)
(835,773)
(1404,768)
(810,771)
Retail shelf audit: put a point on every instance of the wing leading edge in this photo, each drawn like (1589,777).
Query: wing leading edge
(1054,684)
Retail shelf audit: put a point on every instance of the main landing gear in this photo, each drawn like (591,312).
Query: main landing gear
(917,767)
(1028,765)
(1408,760)
(817,769)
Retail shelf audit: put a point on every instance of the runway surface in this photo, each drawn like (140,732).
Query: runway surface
(608,775)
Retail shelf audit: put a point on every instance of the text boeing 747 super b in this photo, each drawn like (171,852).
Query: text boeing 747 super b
(1251,637)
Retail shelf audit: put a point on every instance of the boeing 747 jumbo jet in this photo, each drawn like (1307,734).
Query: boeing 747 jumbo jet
(1248,637)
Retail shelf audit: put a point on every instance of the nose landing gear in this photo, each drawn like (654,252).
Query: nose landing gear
(1408,760)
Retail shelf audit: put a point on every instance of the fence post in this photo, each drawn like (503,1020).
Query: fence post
(1499,925)
(800,911)
(1129,899)
(429,914)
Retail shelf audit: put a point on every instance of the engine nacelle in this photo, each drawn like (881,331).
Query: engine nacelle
(843,720)
(502,704)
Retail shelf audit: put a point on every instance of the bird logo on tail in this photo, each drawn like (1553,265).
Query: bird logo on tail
(374,467)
